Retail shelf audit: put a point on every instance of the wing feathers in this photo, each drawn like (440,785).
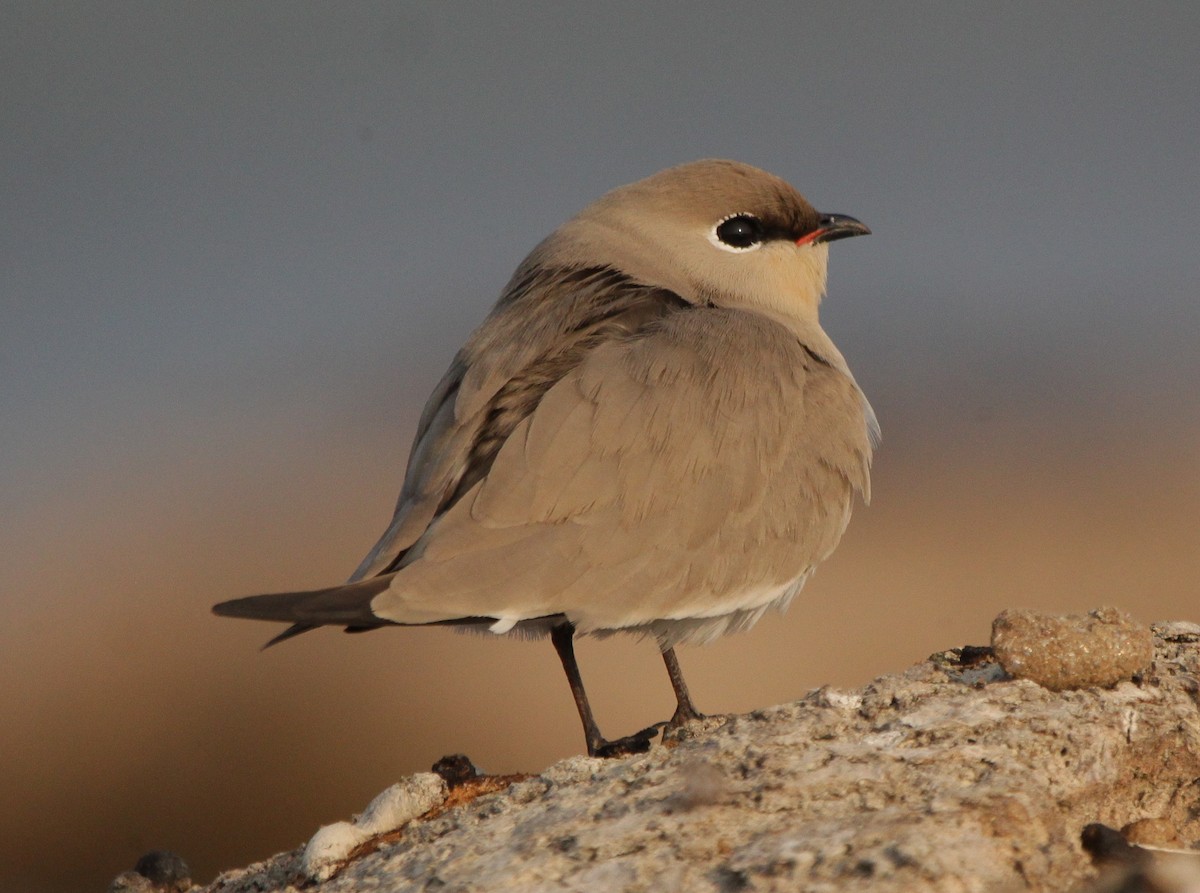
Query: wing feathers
(662,477)
(639,469)
(546,322)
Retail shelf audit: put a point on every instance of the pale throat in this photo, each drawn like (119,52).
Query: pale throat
(789,282)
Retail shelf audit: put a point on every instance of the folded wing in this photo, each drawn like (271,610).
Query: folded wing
(697,468)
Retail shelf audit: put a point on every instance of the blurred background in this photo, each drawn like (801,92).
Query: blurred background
(240,242)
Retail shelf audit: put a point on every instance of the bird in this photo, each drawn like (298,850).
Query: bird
(649,433)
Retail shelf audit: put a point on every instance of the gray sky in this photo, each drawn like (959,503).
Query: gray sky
(224,209)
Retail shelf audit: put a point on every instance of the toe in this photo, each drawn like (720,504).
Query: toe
(638,742)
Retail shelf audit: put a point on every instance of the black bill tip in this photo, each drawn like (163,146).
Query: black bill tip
(832,227)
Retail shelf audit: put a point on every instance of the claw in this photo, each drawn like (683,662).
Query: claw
(638,742)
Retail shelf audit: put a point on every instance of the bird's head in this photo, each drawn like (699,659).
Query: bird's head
(717,232)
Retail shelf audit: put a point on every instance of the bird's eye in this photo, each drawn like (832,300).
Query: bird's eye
(739,232)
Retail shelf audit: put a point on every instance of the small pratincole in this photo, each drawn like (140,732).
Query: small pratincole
(650,433)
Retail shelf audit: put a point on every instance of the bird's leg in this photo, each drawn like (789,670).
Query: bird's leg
(685,710)
(563,637)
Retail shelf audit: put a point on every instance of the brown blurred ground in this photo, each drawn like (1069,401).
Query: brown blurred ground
(133,719)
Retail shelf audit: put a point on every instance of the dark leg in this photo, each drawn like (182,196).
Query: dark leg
(563,638)
(685,710)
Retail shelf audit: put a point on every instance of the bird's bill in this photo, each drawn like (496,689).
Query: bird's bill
(833,227)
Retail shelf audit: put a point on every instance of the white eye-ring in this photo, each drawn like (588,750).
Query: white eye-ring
(738,233)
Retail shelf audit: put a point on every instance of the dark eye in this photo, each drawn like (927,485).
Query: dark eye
(740,231)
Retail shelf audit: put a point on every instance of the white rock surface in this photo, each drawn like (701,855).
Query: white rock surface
(948,777)
(400,803)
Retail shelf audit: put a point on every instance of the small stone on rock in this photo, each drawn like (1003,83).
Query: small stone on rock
(455,769)
(1153,832)
(158,871)
(1062,652)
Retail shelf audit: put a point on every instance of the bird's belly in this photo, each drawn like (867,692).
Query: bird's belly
(729,614)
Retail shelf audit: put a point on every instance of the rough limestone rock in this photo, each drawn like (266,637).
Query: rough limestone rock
(398,805)
(952,776)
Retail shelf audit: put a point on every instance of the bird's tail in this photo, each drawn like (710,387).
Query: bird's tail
(348,605)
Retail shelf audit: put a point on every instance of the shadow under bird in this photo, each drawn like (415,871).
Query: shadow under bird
(650,433)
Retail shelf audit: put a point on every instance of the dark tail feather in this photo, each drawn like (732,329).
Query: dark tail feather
(294,630)
(348,605)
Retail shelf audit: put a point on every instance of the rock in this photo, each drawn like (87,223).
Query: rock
(158,871)
(1102,648)
(947,777)
(131,882)
(1153,832)
(456,770)
(400,803)
(1128,864)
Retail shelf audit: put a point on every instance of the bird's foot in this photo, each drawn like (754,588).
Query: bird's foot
(682,716)
(638,742)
